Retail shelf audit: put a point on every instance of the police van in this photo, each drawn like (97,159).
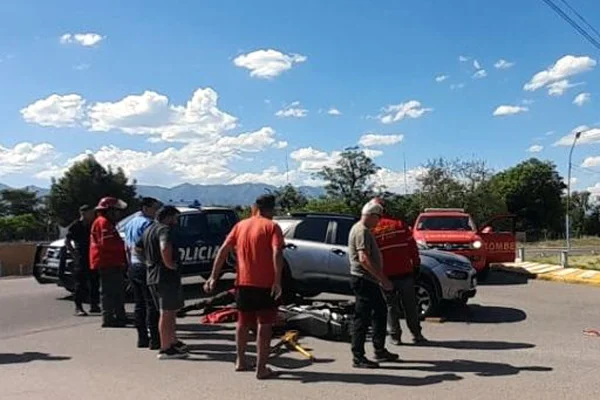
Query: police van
(198,237)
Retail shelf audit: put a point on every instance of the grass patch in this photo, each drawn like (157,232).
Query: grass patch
(582,262)
(591,241)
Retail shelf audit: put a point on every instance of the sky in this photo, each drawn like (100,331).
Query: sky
(229,92)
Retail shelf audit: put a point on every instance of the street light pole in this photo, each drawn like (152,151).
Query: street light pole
(568,214)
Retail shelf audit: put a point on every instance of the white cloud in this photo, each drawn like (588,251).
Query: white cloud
(371,153)
(535,148)
(334,111)
(293,110)
(371,139)
(591,162)
(566,67)
(56,110)
(505,110)
(312,160)
(81,67)
(482,73)
(463,58)
(83,39)
(271,175)
(594,190)
(550,133)
(393,181)
(588,135)
(441,78)
(476,64)
(25,158)
(268,63)
(528,102)
(503,64)
(559,88)
(397,112)
(151,114)
(201,161)
(456,86)
(582,98)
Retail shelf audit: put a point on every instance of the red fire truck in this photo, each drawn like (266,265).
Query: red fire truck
(452,229)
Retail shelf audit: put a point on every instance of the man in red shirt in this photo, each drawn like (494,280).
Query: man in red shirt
(258,244)
(401,263)
(107,256)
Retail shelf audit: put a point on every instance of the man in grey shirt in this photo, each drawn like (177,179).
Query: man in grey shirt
(367,284)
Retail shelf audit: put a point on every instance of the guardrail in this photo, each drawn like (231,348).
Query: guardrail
(524,252)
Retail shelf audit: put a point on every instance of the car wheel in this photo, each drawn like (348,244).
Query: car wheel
(427,300)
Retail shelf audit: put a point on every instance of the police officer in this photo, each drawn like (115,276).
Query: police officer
(77,243)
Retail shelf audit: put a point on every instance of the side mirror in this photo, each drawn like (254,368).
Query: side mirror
(487,229)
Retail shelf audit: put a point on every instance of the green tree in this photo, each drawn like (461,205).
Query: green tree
(290,199)
(328,205)
(22,227)
(18,202)
(86,182)
(351,179)
(532,190)
(580,211)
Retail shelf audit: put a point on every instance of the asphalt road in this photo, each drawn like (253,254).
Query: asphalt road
(518,339)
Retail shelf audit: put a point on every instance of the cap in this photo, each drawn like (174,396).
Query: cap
(111,202)
(372,208)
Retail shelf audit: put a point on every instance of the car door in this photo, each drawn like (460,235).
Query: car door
(307,254)
(218,224)
(499,239)
(193,244)
(339,263)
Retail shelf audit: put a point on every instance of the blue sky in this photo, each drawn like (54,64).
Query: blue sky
(119,81)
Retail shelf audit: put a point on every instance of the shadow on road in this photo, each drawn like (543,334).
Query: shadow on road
(501,278)
(478,345)
(478,314)
(367,379)
(13,358)
(479,368)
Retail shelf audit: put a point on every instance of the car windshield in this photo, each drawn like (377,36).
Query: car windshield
(450,223)
(285,224)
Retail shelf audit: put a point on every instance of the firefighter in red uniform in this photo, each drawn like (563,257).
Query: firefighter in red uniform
(107,256)
(401,264)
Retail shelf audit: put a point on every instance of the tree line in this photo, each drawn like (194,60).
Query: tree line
(532,190)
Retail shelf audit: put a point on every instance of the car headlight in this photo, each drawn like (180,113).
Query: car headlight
(456,274)
(477,244)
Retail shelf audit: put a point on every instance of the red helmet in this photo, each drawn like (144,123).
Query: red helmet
(111,202)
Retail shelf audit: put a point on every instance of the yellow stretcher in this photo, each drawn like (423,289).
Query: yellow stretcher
(290,340)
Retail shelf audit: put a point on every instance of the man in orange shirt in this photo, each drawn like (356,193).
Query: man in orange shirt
(258,244)
(107,256)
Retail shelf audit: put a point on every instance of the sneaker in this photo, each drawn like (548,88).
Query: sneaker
(143,343)
(171,354)
(80,313)
(95,310)
(385,355)
(154,345)
(364,363)
(396,339)
(179,345)
(420,340)
(113,324)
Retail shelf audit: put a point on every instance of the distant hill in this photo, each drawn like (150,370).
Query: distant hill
(224,195)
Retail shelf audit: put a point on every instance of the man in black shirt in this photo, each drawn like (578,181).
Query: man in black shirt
(164,280)
(77,243)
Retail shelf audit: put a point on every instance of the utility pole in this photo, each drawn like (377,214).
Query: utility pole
(568,214)
(405,177)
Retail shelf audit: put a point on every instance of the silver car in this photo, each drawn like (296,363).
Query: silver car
(316,261)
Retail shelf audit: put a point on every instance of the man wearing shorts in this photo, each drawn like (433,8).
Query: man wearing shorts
(164,280)
(258,244)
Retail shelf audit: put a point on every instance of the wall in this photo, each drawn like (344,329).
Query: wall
(17,258)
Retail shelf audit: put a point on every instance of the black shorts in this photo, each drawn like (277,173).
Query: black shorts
(251,299)
(167,295)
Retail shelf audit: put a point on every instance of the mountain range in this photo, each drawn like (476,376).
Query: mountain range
(224,195)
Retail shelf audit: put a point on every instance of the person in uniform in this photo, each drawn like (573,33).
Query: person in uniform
(77,243)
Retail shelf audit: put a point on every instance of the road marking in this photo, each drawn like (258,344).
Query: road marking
(548,268)
(527,265)
(540,267)
(566,271)
(589,274)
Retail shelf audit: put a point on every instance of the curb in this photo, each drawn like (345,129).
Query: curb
(553,273)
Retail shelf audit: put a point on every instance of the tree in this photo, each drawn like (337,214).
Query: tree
(86,182)
(532,190)
(350,180)
(580,210)
(328,205)
(16,202)
(22,227)
(290,199)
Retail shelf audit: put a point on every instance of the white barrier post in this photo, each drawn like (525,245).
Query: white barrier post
(564,258)
(521,255)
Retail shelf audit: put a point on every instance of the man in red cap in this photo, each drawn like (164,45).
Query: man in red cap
(401,263)
(108,257)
